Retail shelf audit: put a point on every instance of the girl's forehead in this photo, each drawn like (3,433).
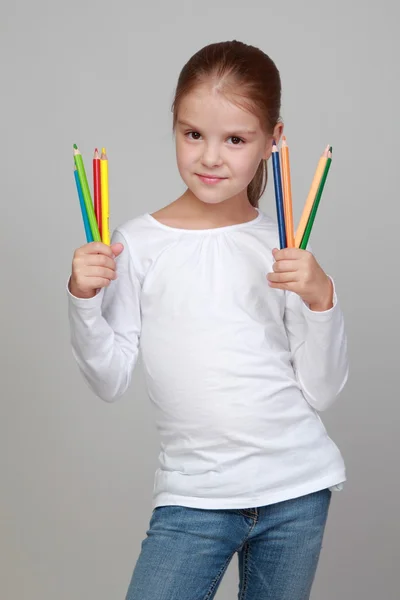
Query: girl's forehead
(205,105)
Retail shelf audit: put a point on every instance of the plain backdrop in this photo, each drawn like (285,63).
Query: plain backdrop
(77,473)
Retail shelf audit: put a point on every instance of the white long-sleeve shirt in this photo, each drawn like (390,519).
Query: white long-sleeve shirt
(237,371)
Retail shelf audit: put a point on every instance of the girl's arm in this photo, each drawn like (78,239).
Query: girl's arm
(105,329)
(314,325)
(318,345)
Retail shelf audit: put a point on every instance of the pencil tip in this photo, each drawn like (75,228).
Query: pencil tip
(103,150)
(330,148)
(76,147)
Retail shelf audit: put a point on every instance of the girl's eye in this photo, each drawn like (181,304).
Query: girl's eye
(196,135)
(236,141)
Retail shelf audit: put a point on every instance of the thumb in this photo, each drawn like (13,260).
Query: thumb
(117,248)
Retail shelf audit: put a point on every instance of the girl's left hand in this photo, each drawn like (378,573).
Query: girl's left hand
(298,271)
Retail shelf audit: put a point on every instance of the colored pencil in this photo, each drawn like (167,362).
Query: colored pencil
(86,194)
(314,209)
(97,189)
(311,197)
(279,195)
(88,232)
(287,193)
(104,198)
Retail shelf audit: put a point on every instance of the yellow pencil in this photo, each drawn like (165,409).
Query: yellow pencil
(310,198)
(105,208)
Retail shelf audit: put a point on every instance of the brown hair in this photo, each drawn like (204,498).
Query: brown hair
(249,78)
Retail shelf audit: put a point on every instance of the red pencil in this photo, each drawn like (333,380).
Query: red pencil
(97,188)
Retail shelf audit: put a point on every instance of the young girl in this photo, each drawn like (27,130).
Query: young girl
(242,344)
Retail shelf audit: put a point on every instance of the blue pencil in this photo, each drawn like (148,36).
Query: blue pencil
(88,231)
(279,196)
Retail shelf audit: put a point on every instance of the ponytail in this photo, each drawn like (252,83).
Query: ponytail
(257,185)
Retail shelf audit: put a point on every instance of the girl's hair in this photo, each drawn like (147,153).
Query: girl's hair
(246,76)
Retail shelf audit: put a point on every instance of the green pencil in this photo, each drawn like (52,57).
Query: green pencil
(86,195)
(311,218)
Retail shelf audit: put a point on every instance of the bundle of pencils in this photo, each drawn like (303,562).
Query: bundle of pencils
(95,214)
(283,197)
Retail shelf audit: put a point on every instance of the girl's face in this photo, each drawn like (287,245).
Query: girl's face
(218,146)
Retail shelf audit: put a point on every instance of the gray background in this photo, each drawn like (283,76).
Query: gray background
(77,473)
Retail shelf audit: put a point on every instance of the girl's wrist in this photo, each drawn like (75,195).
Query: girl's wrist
(325,302)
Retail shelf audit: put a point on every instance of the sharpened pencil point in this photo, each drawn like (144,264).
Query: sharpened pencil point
(76,147)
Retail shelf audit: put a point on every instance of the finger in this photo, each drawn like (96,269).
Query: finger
(117,248)
(99,282)
(282,266)
(289,286)
(100,260)
(289,254)
(282,277)
(102,272)
(98,248)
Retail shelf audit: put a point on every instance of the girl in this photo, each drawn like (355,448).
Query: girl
(242,346)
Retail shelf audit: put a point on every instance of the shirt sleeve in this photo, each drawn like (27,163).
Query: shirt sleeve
(318,346)
(105,329)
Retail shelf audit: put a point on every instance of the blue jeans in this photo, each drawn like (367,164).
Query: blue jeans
(187,550)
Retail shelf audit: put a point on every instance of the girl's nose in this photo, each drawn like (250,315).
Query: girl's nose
(211,156)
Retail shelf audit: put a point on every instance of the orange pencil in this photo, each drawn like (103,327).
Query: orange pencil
(311,197)
(287,194)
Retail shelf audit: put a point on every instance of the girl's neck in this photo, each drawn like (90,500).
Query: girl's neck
(188,208)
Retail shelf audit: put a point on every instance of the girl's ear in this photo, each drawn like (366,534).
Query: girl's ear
(278,131)
(276,136)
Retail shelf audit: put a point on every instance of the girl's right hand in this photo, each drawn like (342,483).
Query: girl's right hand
(93,267)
